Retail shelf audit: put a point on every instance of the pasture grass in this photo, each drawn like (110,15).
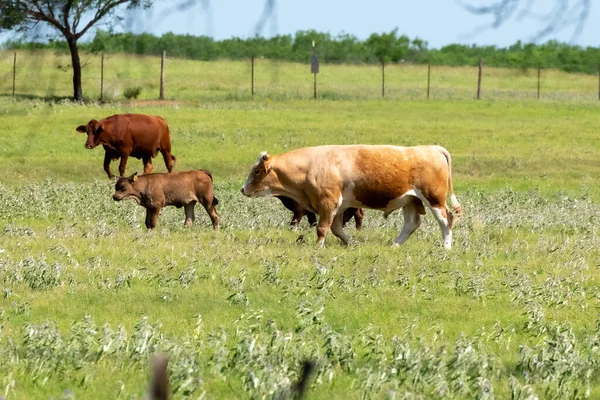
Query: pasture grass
(510,311)
(46,74)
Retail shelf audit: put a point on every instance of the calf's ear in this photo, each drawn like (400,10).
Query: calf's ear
(81,128)
(133,177)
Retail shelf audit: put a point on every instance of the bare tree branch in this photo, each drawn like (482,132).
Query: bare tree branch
(563,15)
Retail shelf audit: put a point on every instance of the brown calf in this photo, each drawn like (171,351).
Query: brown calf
(179,189)
(299,212)
(130,135)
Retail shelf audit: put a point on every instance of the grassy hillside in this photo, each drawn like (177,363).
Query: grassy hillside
(89,295)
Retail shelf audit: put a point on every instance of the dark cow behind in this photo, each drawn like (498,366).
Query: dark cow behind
(130,135)
(179,189)
(299,212)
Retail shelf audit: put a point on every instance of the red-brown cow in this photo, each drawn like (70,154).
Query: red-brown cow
(329,179)
(130,135)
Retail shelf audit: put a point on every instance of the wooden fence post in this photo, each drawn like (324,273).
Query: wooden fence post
(102,78)
(479,78)
(382,78)
(598,81)
(252,90)
(162,75)
(14,74)
(428,79)
(538,85)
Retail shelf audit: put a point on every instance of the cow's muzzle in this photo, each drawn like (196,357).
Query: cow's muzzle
(89,146)
(116,198)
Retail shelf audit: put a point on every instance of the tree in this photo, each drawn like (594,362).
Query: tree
(71,18)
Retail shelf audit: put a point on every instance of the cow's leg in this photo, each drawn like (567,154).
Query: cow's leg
(107,160)
(443,218)
(327,211)
(212,212)
(152,217)
(438,208)
(412,220)
(189,214)
(337,228)
(169,159)
(123,163)
(147,165)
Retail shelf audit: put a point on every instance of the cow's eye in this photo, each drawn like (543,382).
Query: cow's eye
(256,171)
(121,188)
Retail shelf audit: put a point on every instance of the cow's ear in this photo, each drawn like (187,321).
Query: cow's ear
(81,128)
(99,129)
(133,178)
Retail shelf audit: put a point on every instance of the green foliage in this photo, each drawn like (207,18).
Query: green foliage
(343,48)
(132,92)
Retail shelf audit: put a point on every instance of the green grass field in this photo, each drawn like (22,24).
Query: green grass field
(510,312)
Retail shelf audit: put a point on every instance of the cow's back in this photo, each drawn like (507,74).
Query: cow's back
(145,134)
(370,175)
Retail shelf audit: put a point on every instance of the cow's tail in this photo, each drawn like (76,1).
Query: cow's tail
(456,207)
(215,200)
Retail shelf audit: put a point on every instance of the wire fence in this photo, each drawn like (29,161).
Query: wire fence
(116,77)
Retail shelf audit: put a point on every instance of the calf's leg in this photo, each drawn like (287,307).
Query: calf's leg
(359,214)
(312,218)
(189,214)
(211,210)
(152,217)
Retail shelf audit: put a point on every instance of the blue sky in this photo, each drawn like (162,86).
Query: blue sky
(439,22)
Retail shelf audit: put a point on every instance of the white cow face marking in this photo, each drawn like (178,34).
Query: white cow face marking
(257,184)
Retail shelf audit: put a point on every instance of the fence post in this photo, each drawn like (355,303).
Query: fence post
(314,68)
(479,78)
(14,74)
(252,61)
(102,78)
(382,78)
(428,78)
(162,75)
(598,81)
(538,87)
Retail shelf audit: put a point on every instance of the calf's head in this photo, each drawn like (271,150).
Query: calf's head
(124,189)
(260,177)
(93,129)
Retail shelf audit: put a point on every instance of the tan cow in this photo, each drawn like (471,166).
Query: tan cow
(329,179)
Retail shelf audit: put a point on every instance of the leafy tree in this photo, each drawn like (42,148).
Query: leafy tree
(69,18)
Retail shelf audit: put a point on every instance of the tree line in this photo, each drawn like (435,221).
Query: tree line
(341,49)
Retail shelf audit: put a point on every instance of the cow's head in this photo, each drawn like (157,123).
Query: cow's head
(124,189)
(260,177)
(93,129)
